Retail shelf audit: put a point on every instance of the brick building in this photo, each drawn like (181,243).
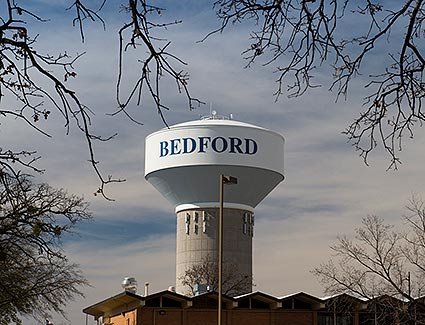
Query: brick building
(170,308)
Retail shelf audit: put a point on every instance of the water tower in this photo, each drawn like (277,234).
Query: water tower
(184,163)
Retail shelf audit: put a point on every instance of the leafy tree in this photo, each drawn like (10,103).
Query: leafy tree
(206,273)
(36,277)
(381,264)
(296,36)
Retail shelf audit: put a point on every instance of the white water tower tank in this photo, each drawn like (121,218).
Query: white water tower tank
(184,163)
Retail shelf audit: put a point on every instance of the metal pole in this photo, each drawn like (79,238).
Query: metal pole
(223,180)
(220,251)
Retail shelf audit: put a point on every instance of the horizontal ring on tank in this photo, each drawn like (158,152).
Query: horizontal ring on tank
(201,205)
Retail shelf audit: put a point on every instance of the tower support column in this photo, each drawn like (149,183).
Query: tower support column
(197,241)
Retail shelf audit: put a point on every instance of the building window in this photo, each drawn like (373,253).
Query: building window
(195,221)
(245,223)
(329,319)
(325,320)
(248,224)
(187,223)
(204,222)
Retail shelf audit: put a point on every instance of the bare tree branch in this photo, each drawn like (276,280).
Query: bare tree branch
(158,64)
(206,273)
(21,65)
(299,37)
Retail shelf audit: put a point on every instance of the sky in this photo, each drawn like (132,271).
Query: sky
(327,187)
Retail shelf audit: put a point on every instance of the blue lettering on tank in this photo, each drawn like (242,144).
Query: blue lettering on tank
(163,148)
(188,145)
(235,145)
(219,148)
(203,144)
(175,147)
(250,147)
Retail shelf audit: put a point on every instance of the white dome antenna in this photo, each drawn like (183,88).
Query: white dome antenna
(129,284)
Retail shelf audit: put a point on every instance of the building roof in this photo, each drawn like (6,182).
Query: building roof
(315,302)
(264,299)
(199,300)
(126,301)
(114,303)
(168,298)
